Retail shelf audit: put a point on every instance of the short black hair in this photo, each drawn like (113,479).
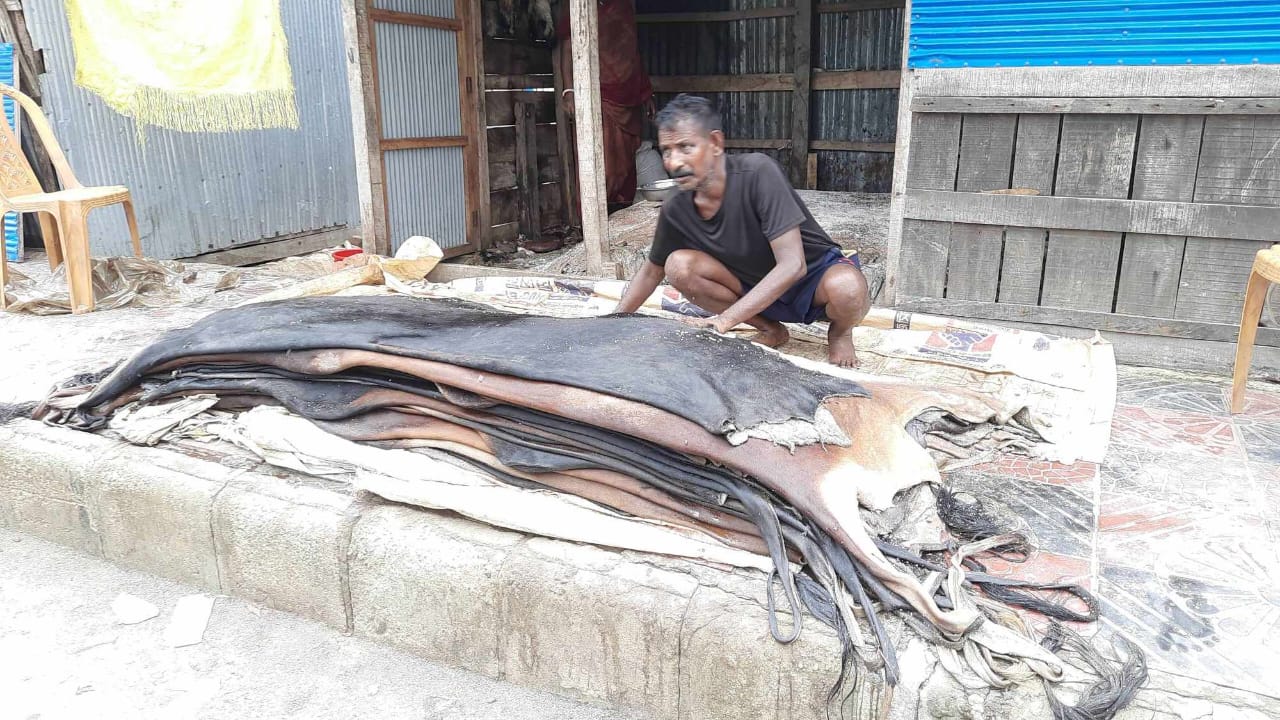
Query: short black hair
(691,108)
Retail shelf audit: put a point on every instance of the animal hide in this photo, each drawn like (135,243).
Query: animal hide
(594,407)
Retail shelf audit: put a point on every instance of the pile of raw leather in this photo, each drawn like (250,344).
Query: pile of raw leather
(645,415)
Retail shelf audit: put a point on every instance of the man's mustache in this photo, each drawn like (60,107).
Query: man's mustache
(682,174)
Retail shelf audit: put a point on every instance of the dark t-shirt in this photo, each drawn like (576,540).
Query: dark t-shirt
(759,205)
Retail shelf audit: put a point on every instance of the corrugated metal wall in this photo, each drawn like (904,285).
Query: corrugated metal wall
(854,40)
(198,192)
(418,96)
(726,48)
(1013,33)
(859,40)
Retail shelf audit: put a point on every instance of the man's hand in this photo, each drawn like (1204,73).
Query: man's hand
(717,323)
(650,110)
(640,287)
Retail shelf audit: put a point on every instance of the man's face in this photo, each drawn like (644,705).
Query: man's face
(690,154)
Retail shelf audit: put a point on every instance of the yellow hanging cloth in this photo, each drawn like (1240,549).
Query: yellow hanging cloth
(193,65)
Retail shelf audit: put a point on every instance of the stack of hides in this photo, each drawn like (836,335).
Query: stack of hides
(644,415)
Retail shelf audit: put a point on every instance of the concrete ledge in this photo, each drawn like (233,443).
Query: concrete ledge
(671,638)
(283,546)
(429,583)
(623,629)
(151,510)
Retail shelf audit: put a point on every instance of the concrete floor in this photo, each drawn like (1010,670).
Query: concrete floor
(64,655)
(1177,530)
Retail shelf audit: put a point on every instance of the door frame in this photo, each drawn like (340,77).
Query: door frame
(358,17)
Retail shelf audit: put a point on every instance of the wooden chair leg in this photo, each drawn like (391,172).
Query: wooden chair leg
(4,276)
(1255,296)
(52,241)
(74,230)
(133,227)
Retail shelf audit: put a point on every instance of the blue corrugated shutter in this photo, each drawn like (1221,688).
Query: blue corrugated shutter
(12,249)
(1015,33)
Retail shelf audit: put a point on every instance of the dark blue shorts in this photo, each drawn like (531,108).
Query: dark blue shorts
(796,304)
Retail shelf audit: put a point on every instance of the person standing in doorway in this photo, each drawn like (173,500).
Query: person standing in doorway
(626,95)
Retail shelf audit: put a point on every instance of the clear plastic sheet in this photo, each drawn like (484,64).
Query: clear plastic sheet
(120,282)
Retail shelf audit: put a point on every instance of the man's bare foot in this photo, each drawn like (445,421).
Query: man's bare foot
(773,335)
(840,350)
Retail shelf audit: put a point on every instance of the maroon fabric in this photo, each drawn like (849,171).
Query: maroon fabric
(622,129)
(623,80)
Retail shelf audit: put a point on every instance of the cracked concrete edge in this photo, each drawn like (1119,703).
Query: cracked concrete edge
(595,624)
(674,639)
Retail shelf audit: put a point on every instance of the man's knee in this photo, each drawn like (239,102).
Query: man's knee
(848,297)
(682,267)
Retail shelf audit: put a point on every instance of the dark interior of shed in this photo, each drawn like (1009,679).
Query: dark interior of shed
(813,85)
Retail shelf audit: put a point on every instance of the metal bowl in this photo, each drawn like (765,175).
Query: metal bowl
(658,190)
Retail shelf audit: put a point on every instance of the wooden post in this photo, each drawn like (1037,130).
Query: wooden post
(906,90)
(362,90)
(583,18)
(483,221)
(527,167)
(568,152)
(801,67)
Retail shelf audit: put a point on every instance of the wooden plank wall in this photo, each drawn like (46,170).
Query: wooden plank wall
(518,68)
(1143,270)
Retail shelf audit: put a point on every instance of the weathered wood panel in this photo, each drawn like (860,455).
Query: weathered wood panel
(1149,272)
(923,267)
(505,206)
(1036,152)
(856,79)
(1106,322)
(500,105)
(986,152)
(506,232)
(502,143)
(1214,274)
(1168,154)
(1240,81)
(527,169)
(502,175)
(1095,159)
(1035,158)
(516,57)
(1240,160)
(1103,105)
(1164,169)
(1240,222)
(852,146)
(764,82)
(934,153)
(1095,155)
(1239,163)
(714,16)
(973,261)
(858,6)
(802,65)
(1022,265)
(1080,270)
(517,82)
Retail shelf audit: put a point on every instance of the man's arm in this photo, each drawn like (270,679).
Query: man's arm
(567,95)
(640,288)
(788,253)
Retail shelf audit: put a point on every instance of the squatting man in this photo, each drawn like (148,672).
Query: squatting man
(739,242)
